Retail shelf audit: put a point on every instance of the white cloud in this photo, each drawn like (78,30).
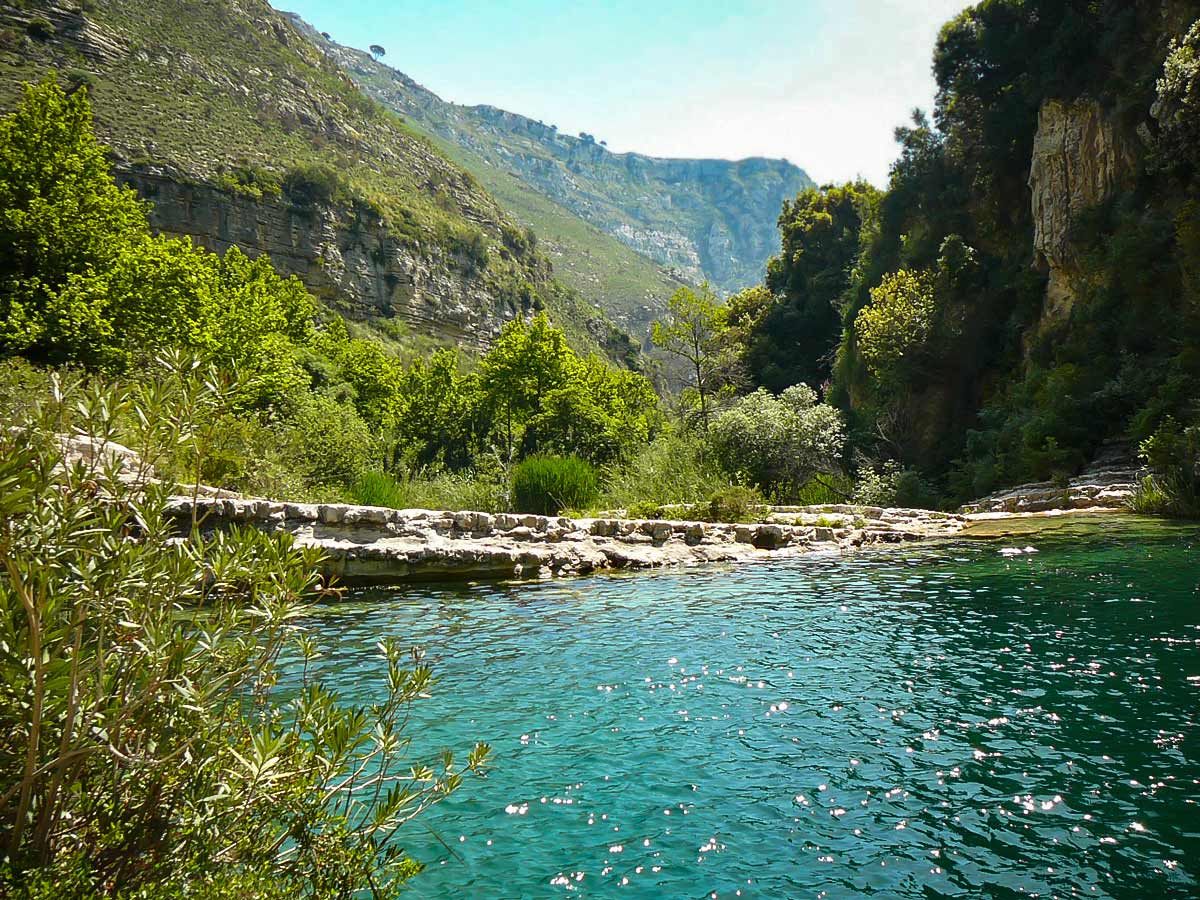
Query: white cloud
(831,108)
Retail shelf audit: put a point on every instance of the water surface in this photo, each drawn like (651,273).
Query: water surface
(945,721)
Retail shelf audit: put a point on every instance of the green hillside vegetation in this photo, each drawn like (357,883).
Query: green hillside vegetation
(628,286)
(950,358)
(232,95)
(312,410)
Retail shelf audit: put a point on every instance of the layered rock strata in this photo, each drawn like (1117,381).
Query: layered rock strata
(1107,489)
(367,545)
(346,257)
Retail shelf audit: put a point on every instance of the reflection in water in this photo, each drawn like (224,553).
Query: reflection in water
(944,722)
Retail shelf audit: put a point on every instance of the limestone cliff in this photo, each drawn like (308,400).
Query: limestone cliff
(211,109)
(345,255)
(1079,159)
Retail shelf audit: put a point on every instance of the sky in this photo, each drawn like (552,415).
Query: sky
(822,83)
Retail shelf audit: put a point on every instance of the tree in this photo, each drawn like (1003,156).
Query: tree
(779,442)
(898,321)
(376,377)
(527,361)
(435,420)
(82,280)
(147,748)
(794,338)
(62,219)
(1177,107)
(378,52)
(600,413)
(540,397)
(695,331)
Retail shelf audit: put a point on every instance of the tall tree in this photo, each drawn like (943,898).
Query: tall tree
(527,361)
(61,217)
(792,339)
(695,331)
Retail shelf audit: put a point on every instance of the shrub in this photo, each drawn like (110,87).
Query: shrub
(1149,498)
(330,443)
(80,78)
(547,485)
(736,503)
(315,184)
(877,486)
(1178,102)
(145,750)
(251,180)
(779,443)
(913,491)
(40,29)
(470,244)
(1173,486)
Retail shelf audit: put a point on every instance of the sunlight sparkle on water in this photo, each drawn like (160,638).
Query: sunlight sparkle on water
(942,718)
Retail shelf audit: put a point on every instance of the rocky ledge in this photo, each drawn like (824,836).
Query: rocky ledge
(1108,487)
(370,545)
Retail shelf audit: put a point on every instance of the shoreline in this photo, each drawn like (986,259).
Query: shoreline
(370,546)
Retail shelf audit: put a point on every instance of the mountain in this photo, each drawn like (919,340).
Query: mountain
(701,218)
(241,132)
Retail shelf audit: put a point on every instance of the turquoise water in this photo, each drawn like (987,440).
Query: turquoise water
(938,722)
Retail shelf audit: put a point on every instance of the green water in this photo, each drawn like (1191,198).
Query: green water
(938,722)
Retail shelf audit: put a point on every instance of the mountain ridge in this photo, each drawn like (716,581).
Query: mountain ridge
(704,219)
(247,135)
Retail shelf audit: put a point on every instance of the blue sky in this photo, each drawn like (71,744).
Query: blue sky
(820,82)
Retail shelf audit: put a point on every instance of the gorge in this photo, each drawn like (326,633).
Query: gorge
(402,497)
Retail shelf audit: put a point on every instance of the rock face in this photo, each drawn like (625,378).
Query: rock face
(703,218)
(369,545)
(94,42)
(202,104)
(345,256)
(1108,484)
(1078,159)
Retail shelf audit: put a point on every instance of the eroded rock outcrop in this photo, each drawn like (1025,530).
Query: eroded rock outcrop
(1079,158)
(368,545)
(1108,484)
(345,256)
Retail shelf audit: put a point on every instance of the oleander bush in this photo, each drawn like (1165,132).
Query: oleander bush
(147,748)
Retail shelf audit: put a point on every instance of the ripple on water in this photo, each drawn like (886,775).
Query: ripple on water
(949,721)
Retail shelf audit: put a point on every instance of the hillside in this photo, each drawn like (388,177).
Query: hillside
(1028,288)
(700,218)
(241,132)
